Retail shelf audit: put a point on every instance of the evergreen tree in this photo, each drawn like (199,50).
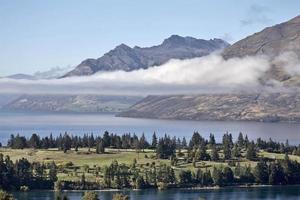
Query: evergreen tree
(143,144)
(217,176)
(228,176)
(34,141)
(212,140)
(261,172)
(214,153)
(185,177)
(251,152)
(240,141)
(207,179)
(277,176)
(53,172)
(246,175)
(184,143)
(196,140)
(100,147)
(236,152)
(139,182)
(238,169)
(154,141)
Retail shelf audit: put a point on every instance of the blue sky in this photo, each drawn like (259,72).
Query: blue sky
(38,35)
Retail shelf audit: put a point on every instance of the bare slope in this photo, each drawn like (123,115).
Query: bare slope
(246,107)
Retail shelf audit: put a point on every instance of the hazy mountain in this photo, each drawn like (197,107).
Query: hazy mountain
(231,107)
(272,42)
(54,72)
(7,98)
(71,103)
(21,76)
(126,58)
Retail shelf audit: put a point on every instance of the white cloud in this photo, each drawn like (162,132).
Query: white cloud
(290,62)
(211,73)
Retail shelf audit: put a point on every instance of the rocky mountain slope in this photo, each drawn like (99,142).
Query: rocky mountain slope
(272,42)
(71,103)
(126,58)
(229,107)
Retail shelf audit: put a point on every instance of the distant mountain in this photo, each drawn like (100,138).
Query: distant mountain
(7,98)
(225,107)
(52,73)
(70,103)
(126,58)
(272,42)
(21,76)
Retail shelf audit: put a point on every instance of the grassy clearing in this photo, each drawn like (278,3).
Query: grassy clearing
(84,159)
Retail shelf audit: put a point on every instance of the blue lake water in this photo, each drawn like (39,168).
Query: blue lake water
(266,193)
(78,124)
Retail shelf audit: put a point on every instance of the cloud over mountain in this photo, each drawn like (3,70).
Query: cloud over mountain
(174,77)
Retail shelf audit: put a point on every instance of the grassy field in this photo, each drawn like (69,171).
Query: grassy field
(84,159)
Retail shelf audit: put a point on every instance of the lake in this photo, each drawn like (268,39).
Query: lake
(78,124)
(266,193)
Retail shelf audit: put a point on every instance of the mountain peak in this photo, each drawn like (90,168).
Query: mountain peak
(122,46)
(174,40)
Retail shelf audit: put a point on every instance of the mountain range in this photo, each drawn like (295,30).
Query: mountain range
(126,58)
(273,42)
(281,45)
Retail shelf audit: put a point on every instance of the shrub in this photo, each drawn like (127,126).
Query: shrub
(24,188)
(119,196)
(89,195)
(5,196)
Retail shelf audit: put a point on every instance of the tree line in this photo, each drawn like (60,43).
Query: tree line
(165,146)
(22,174)
(153,175)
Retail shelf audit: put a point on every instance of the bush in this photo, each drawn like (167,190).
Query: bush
(24,188)
(58,186)
(5,196)
(162,186)
(90,196)
(120,197)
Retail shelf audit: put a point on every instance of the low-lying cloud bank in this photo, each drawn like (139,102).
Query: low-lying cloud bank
(206,74)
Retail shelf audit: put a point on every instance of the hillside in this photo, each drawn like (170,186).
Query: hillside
(71,103)
(273,42)
(228,107)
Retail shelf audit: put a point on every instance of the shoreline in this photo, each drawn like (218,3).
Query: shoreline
(168,189)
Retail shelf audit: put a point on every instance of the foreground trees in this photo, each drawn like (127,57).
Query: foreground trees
(5,196)
(210,163)
(23,174)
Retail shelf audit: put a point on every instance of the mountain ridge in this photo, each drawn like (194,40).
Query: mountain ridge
(125,58)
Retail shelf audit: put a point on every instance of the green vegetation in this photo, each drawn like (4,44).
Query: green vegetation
(119,196)
(5,196)
(127,161)
(89,195)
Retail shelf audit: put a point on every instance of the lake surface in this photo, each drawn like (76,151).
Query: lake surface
(266,193)
(78,124)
